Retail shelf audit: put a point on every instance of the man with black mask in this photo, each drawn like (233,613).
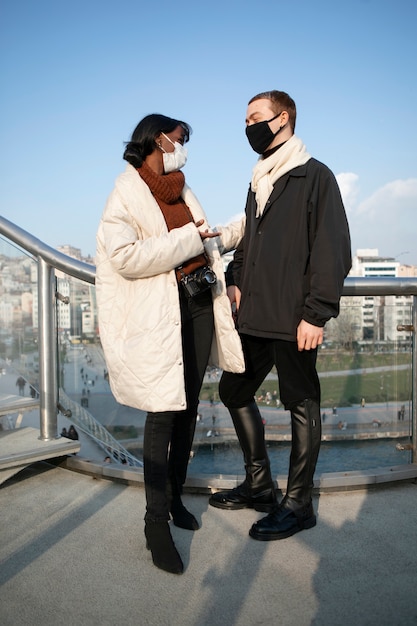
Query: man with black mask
(285,281)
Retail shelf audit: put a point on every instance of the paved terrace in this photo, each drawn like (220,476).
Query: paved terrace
(72,551)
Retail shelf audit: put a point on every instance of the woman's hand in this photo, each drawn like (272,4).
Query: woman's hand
(205,234)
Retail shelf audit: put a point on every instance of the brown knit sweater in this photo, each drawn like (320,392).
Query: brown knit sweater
(166,190)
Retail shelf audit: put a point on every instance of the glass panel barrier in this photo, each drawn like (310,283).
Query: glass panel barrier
(85,396)
(366,380)
(365,367)
(19,358)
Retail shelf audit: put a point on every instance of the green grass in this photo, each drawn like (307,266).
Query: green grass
(333,361)
(345,390)
(123,432)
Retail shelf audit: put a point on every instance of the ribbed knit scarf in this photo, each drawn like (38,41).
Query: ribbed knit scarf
(166,190)
(267,171)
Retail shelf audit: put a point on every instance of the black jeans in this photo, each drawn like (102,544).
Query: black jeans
(168,435)
(297,374)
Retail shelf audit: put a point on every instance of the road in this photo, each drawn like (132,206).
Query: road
(83,376)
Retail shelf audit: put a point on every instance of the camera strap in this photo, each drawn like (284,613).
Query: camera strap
(189,267)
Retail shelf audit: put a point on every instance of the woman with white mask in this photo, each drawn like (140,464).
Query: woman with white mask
(162,306)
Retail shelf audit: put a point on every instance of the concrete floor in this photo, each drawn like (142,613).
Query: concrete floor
(73,552)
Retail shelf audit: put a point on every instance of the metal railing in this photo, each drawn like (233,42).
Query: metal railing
(97,432)
(50,259)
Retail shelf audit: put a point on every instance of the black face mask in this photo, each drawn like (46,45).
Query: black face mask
(260,136)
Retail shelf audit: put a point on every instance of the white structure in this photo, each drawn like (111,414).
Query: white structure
(381,315)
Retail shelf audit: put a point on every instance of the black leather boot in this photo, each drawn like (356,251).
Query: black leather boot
(160,543)
(295,512)
(258,490)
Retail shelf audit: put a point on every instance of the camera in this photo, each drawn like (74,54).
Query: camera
(200,280)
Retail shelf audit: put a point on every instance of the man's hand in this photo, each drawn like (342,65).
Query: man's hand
(234,294)
(308,336)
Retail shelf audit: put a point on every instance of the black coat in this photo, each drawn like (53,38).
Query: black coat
(292,261)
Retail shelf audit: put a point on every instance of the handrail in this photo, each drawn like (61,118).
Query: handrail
(58,260)
(50,259)
(379,286)
(353,286)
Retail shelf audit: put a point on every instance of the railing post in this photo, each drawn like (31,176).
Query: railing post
(47,351)
(414,383)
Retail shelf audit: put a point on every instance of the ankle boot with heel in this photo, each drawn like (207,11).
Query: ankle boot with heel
(164,553)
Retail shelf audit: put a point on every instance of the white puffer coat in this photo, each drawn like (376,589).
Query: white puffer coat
(138,300)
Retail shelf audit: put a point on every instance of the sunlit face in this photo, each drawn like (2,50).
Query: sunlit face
(176,136)
(261,111)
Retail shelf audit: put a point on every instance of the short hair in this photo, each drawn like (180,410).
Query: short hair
(142,142)
(281,101)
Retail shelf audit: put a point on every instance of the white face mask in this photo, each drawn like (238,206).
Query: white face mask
(174,161)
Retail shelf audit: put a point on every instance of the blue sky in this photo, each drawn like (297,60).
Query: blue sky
(77,77)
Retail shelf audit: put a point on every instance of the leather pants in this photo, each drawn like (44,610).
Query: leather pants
(167,444)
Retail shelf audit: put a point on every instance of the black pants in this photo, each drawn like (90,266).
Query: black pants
(168,435)
(297,374)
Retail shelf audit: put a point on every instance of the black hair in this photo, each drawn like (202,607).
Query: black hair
(142,142)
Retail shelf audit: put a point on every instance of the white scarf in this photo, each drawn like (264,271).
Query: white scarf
(267,171)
